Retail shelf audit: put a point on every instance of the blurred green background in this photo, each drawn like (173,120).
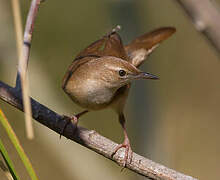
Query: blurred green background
(174,121)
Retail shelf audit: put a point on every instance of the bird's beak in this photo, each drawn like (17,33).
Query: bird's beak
(144,75)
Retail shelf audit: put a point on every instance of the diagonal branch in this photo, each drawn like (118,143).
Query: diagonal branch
(205,15)
(90,138)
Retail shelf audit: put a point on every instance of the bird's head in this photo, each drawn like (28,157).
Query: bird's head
(117,72)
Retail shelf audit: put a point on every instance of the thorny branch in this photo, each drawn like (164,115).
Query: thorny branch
(85,137)
(90,138)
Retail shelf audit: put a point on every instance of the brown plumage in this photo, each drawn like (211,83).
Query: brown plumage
(101,75)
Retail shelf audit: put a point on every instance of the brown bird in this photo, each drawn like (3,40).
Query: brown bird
(101,75)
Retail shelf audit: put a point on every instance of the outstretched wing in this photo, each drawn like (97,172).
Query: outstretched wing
(142,46)
(109,45)
(114,46)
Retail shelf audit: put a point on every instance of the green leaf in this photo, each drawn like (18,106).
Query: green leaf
(8,161)
(17,146)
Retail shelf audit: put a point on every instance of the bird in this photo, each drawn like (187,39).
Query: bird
(101,75)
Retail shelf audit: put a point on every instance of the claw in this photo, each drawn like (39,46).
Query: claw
(128,152)
(73,120)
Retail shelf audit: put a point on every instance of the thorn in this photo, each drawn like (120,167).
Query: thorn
(114,30)
(117,28)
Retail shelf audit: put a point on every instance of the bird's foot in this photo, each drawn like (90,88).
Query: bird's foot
(73,120)
(128,152)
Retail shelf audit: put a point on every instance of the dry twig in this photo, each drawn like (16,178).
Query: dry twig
(24,52)
(206,18)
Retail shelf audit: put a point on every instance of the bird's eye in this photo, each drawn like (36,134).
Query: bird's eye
(122,72)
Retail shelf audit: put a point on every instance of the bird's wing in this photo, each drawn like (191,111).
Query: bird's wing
(94,49)
(114,46)
(109,45)
(143,45)
(72,68)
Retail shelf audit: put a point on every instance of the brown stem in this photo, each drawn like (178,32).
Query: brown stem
(24,52)
(28,34)
(205,16)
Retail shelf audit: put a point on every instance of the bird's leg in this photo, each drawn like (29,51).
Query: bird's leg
(126,143)
(73,120)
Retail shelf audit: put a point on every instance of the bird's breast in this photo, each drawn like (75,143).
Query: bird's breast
(89,93)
